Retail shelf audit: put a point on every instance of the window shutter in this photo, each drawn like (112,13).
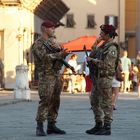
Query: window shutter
(91,21)
(70,20)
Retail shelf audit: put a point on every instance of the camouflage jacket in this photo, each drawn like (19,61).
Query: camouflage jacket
(44,58)
(108,55)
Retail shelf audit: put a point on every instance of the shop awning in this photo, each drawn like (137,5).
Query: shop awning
(78,43)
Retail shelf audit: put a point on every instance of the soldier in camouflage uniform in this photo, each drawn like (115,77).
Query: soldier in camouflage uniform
(47,55)
(103,60)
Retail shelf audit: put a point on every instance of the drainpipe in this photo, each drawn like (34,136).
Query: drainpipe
(119,21)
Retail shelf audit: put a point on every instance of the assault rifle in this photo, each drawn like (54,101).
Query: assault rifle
(92,65)
(93,59)
(89,63)
(55,50)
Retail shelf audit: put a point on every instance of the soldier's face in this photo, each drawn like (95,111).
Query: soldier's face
(104,36)
(50,31)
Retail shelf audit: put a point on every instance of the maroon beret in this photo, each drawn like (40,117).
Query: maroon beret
(48,24)
(109,29)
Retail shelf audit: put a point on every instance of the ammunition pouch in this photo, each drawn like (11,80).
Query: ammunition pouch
(106,73)
(57,65)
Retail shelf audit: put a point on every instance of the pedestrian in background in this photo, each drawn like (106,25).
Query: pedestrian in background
(126,66)
(48,54)
(87,77)
(103,59)
(133,77)
(138,58)
(1,74)
(73,62)
(116,87)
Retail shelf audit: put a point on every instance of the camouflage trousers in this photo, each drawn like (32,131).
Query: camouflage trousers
(101,102)
(49,92)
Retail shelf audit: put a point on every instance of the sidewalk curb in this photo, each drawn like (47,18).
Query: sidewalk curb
(9,102)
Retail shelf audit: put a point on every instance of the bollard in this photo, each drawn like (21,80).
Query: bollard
(22,90)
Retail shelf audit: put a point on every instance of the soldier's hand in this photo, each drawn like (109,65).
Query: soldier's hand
(96,61)
(99,39)
(66,52)
(88,58)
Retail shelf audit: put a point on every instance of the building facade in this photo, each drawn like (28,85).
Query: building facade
(22,19)
(19,27)
(86,16)
(17,32)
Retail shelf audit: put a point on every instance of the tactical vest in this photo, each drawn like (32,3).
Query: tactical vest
(53,47)
(100,54)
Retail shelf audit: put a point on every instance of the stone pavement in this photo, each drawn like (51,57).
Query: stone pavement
(17,121)
(6,98)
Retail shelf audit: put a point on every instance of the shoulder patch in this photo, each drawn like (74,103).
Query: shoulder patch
(113,52)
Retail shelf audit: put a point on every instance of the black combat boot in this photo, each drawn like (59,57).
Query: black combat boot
(106,130)
(40,130)
(95,129)
(52,129)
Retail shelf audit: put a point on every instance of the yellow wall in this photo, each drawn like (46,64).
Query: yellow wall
(131,14)
(16,21)
(131,22)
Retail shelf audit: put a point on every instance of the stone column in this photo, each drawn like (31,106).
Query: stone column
(22,90)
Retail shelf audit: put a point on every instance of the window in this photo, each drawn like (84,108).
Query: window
(70,21)
(112,20)
(91,21)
